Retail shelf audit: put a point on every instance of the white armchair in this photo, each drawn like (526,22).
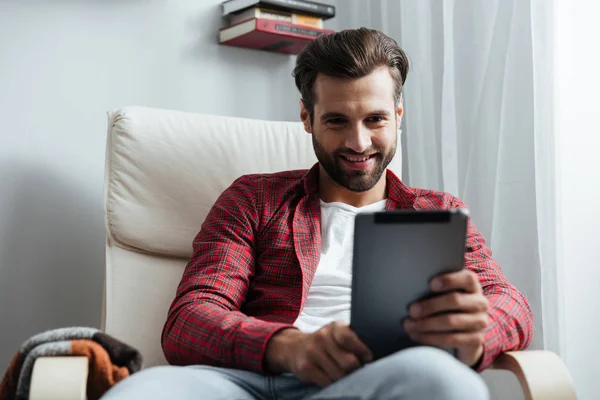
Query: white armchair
(164,170)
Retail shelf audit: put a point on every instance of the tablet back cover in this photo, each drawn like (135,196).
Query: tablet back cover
(395,255)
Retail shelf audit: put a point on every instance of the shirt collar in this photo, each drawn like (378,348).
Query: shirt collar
(402,195)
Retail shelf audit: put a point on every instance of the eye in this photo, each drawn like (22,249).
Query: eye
(336,121)
(374,119)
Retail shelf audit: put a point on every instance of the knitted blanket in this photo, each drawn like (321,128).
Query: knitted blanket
(110,360)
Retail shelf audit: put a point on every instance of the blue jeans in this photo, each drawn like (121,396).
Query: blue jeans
(416,373)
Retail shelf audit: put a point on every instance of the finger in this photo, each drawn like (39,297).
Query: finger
(345,360)
(309,371)
(316,376)
(447,340)
(465,280)
(347,339)
(320,352)
(453,322)
(328,366)
(449,302)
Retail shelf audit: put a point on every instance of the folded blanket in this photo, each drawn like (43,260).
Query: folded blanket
(110,360)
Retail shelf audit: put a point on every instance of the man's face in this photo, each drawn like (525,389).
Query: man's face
(355,127)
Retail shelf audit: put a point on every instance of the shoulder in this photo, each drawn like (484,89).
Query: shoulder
(289,177)
(276,181)
(253,197)
(427,199)
(264,189)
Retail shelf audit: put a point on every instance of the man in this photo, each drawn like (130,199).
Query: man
(262,309)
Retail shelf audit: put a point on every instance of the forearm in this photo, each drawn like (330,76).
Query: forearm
(510,323)
(206,333)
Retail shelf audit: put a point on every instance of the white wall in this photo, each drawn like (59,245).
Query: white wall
(577,94)
(63,64)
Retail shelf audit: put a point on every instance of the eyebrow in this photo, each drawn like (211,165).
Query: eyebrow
(329,115)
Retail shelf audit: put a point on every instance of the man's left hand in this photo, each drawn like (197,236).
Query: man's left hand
(454,318)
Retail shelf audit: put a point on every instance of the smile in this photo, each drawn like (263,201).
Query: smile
(357,159)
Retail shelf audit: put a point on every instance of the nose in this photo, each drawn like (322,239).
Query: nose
(358,138)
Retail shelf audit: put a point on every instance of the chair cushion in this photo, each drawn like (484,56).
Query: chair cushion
(166,168)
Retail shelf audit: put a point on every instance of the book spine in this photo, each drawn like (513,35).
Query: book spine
(298,30)
(287,17)
(293,18)
(307,20)
(324,10)
(260,13)
(304,32)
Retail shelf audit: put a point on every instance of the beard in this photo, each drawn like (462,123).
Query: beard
(354,180)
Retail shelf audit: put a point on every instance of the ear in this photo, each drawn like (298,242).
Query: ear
(400,112)
(305,117)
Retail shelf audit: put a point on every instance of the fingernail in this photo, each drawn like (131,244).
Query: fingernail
(436,284)
(409,325)
(415,310)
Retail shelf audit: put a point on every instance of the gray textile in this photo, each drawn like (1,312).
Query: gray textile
(56,335)
(416,373)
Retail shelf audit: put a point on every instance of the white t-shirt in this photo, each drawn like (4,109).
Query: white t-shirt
(329,295)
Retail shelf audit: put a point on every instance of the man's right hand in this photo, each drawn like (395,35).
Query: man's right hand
(321,358)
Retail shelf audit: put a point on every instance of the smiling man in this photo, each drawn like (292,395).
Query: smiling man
(354,130)
(263,307)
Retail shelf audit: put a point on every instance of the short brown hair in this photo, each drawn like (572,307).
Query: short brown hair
(351,53)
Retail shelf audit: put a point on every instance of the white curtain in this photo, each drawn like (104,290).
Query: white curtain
(478,124)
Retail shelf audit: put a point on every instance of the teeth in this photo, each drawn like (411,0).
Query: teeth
(354,159)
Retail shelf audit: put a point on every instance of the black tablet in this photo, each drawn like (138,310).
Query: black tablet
(396,253)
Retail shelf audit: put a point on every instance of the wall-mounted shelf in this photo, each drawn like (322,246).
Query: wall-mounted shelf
(280,26)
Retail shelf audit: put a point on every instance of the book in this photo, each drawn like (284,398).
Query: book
(297,19)
(270,35)
(307,7)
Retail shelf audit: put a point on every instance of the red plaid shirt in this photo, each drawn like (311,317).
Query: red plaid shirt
(256,254)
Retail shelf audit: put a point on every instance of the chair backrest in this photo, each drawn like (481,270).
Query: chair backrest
(164,170)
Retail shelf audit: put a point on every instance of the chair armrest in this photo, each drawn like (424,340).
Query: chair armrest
(542,374)
(55,378)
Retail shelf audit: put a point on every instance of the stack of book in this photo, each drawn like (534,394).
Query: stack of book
(282,26)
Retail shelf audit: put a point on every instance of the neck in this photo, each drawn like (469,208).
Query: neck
(331,191)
